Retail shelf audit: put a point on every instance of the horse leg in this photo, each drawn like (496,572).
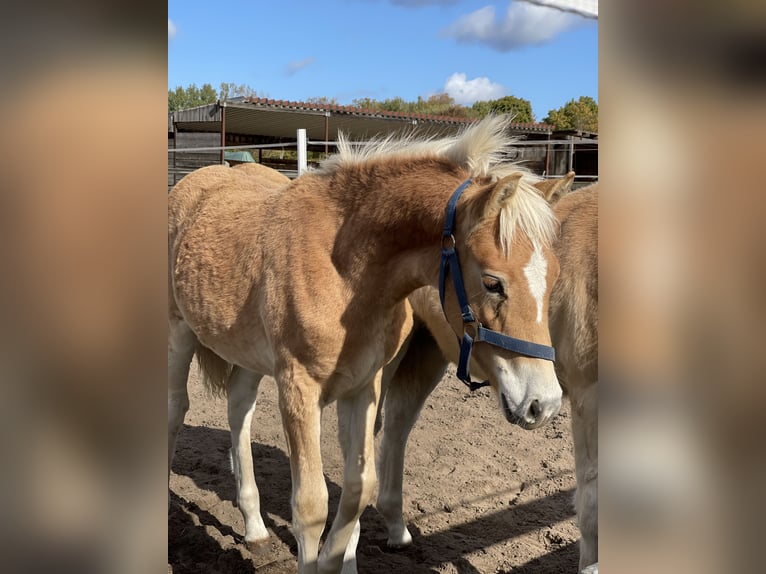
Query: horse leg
(301,418)
(349,556)
(356,418)
(388,373)
(415,378)
(242,393)
(584,402)
(181,343)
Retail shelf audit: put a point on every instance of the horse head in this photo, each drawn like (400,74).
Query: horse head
(502,236)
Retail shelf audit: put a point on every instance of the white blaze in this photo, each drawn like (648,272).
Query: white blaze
(536,273)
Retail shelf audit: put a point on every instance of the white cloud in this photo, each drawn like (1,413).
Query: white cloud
(585,8)
(296,66)
(171,29)
(466,92)
(522,25)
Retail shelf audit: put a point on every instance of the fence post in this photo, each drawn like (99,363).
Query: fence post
(302,152)
(175,145)
(570,163)
(223,132)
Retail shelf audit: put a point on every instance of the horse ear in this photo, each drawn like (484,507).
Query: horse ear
(554,189)
(502,192)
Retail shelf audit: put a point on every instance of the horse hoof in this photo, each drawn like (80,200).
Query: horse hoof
(258,546)
(401,542)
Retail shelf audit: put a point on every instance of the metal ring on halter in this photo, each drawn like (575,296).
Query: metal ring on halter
(475,327)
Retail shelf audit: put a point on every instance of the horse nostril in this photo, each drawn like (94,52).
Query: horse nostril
(534,409)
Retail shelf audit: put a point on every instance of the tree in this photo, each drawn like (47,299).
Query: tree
(322,100)
(364,103)
(581,114)
(519,108)
(443,105)
(191,96)
(229,90)
(437,104)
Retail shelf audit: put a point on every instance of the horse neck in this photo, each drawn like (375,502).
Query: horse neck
(393,217)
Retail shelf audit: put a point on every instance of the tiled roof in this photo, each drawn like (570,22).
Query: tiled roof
(363,112)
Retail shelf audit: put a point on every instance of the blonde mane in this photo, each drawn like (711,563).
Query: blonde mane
(528,213)
(481,149)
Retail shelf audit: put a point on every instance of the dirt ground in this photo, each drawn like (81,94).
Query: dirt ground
(480,495)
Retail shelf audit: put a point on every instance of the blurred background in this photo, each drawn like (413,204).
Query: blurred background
(83,484)
(682,253)
(82,286)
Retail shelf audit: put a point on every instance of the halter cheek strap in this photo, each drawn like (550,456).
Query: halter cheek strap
(473,331)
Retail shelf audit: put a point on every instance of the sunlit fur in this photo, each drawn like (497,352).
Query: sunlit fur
(481,149)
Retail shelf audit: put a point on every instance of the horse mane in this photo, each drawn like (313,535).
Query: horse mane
(481,149)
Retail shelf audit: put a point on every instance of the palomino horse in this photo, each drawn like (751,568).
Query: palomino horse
(573,315)
(308,282)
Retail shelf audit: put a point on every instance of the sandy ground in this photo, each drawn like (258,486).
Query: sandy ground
(480,495)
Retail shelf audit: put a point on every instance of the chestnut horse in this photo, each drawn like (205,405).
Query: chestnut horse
(308,281)
(573,316)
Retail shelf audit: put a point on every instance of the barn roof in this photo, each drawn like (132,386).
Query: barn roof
(280,119)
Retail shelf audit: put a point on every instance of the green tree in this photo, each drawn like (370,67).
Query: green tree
(581,114)
(444,105)
(437,104)
(519,108)
(191,96)
(364,103)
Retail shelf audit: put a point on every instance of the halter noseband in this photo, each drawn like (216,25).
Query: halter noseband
(451,264)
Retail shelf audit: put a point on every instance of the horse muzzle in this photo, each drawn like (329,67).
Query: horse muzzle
(532,412)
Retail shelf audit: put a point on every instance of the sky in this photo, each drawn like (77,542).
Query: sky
(348,49)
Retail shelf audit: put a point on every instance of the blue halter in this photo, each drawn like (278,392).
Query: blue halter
(451,264)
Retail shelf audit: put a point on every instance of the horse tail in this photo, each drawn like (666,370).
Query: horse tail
(215,370)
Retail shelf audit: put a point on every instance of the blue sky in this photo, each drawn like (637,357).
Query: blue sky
(347,49)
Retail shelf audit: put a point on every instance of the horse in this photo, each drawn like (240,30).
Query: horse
(308,281)
(573,320)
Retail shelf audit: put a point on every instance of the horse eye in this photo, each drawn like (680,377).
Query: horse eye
(492,284)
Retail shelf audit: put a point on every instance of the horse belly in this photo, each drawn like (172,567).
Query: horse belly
(242,342)
(221,307)
(250,350)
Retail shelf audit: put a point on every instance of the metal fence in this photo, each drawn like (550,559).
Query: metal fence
(548,158)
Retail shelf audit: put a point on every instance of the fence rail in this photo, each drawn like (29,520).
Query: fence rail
(553,158)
